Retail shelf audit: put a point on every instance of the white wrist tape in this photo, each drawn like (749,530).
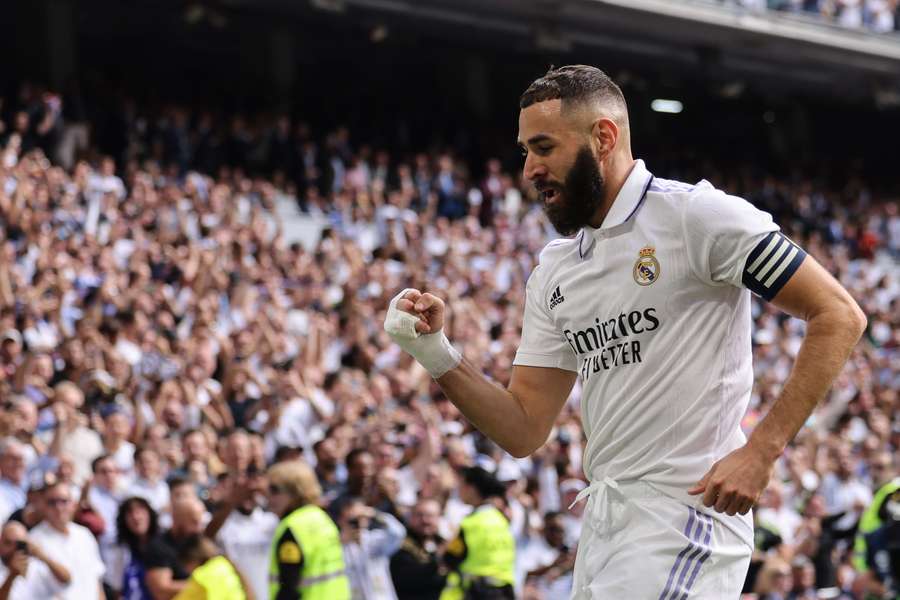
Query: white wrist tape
(432,350)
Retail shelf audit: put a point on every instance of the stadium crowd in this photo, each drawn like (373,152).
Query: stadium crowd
(162,346)
(880,16)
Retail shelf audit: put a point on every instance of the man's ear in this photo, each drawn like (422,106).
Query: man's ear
(604,137)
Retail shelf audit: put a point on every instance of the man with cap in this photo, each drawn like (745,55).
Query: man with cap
(483,553)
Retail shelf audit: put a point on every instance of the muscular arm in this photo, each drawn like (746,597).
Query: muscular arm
(518,418)
(834,325)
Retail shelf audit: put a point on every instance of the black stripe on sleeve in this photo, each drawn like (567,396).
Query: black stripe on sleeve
(771,264)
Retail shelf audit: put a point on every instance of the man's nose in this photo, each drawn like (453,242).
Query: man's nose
(534,168)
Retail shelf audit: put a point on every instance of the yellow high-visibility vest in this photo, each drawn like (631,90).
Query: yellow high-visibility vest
(323,575)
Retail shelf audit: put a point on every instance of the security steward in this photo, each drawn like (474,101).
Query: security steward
(306,560)
(483,555)
(213,576)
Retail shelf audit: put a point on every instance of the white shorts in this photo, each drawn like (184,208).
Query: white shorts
(640,544)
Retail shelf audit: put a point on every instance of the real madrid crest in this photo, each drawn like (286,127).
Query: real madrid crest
(646,267)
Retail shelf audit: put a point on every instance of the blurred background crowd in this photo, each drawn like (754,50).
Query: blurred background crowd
(163,345)
(206,206)
(880,16)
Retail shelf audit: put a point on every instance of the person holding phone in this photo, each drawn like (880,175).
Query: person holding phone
(25,570)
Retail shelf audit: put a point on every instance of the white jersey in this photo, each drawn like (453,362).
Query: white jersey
(652,311)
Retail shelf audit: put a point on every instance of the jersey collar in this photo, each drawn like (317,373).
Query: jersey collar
(627,201)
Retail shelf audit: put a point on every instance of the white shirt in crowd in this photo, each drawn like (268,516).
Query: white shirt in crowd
(652,310)
(124,458)
(82,445)
(534,554)
(784,519)
(76,550)
(156,493)
(246,540)
(38,583)
(106,503)
(849,496)
(368,562)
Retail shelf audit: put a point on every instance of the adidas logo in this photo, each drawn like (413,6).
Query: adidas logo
(556,298)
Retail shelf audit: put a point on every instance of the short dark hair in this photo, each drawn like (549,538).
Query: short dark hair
(573,84)
(95,464)
(484,482)
(177,481)
(354,454)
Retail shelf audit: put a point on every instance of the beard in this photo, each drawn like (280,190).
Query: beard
(579,197)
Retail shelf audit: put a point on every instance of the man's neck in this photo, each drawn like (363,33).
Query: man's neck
(63,529)
(619,169)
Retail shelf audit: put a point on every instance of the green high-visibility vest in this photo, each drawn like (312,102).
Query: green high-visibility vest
(323,576)
(220,580)
(869,522)
(490,553)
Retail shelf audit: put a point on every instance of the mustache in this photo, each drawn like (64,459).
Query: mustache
(543,186)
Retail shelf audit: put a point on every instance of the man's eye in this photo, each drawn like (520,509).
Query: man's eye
(523,151)
(544,150)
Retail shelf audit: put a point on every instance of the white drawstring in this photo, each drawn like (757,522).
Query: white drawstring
(591,520)
(597,485)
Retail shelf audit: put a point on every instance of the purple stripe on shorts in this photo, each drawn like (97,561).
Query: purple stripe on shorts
(687,534)
(703,558)
(680,591)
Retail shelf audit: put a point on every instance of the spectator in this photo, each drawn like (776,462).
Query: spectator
(117,428)
(844,493)
(166,573)
(149,483)
(361,482)
(330,472)
(803,575)
(370,538)
(12,476)
(72,435)
(71,545)
(548,562)
(104,494)
(136,527)
(26,571)
(244,529)
(774,582)
(416,568)
(782,519)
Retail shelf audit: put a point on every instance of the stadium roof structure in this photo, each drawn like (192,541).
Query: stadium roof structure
(724,40)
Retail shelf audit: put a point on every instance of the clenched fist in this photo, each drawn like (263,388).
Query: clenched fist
(414,321)
(427,307)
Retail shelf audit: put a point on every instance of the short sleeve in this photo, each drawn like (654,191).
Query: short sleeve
(542,345)
(159,555)
(730,241)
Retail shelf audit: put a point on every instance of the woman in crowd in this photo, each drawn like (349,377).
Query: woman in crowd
(137,526)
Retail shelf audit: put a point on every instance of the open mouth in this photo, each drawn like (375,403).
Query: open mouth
(549,195)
